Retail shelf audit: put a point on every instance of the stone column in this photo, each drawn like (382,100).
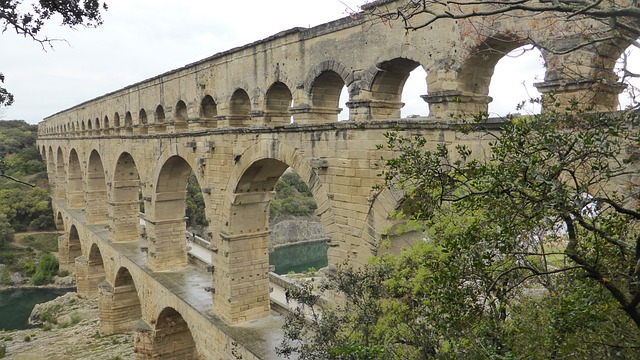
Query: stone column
(305,114)
(453,103)
(166,232)
(123,215)
(241,263)
(75,194)
(96,206)
(592,94)
(369,109)
(64,262)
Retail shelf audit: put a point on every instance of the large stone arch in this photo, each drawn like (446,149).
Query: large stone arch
(242,260)
(166,223)
(75,189)
(90,272)
(119,305)
(61,176)
(69,248)
(170,338)
(95,198)
(123,204)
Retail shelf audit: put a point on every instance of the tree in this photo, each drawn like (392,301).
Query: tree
(29,23)
(537,243)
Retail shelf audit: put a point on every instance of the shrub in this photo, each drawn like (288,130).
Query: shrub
(47,268)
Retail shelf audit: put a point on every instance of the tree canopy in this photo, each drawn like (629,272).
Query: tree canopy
(532,251)
(29,21)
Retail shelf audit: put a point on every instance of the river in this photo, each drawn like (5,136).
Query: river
(16,305)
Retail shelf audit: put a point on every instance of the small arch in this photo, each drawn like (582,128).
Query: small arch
(325,95)
(387,87)
(59,221)
(278,101)
(159,115)
(97,124)
(240,107)
(181,115)
(128,121)
(106,122)
(208,108)
(89,127)
(116,120)
(142,117)
(512,82)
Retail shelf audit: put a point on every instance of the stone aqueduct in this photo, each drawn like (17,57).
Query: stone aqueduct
(238,120)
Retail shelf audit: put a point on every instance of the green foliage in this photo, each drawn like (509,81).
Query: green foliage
(3,350)
(46,270)
(42,242)
(6,230)
(531,252)
(49,314)
(27,338)
(293,198)
(195,208)
(25,208)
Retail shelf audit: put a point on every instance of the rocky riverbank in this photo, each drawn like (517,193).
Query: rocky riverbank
(68,328)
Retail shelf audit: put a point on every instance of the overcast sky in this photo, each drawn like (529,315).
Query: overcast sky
(143,38)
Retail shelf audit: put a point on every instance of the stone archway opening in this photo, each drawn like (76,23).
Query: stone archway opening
(166,221)
(59,222)
(512,84)
(119,304)
(297,243)
(326,96)
(278,101)
(61,176)
(90,272)
(75,191)
(398,81)
(414,88)
(69,248)
(95,195)
(124,204)
(627,67)
(171,339)
(241,278)
(239,109)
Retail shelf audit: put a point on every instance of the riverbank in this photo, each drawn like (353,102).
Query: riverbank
(70,331)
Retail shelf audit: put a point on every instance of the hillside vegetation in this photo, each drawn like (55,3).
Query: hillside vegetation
(24,208)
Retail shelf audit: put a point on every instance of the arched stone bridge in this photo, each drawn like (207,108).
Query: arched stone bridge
(238,120)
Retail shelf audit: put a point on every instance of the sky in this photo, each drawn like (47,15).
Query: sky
(143,38)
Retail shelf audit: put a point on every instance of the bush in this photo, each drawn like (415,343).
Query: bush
(47,268)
